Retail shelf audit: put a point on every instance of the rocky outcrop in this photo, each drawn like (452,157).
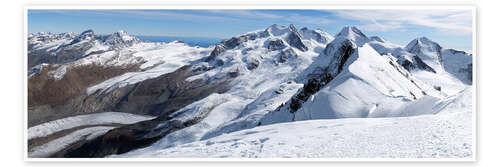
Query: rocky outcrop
(421,65)
(276,44)
(252,63)
(294,39)
(287,54)
(313,85)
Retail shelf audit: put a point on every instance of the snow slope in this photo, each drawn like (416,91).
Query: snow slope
(380,89)
(451,69)
(447,134)
(158,58)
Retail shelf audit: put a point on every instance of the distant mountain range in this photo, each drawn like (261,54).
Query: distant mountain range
(191,41)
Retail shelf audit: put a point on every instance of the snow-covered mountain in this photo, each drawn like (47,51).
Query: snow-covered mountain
(67,47)
(258,81)
(448,70)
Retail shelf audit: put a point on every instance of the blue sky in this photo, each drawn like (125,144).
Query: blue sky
(450,28)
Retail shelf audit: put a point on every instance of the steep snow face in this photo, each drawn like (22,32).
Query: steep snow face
(382,89)
(447,134)
(379,89)
(383,86)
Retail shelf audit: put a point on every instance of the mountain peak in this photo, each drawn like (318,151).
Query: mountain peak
(120,39)
(277,30)
(351,31)
(422,43)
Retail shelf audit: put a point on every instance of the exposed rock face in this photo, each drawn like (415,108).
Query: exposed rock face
(339,55)
(416,64)
(277,44)
(295,40)
(287,54)
(252,63)
(313,85)
(459,64)
(50,99)
(156,96)
(469,71)
(421,65)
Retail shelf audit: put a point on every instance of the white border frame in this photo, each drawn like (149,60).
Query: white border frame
(213,7)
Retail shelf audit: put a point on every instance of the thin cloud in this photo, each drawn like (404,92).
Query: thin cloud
(293,18)
(145,14)
(454,21)
(309,20)
(246,14)
(202,15)
(386,26)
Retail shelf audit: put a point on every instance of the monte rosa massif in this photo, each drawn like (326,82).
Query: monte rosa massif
(277,92)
